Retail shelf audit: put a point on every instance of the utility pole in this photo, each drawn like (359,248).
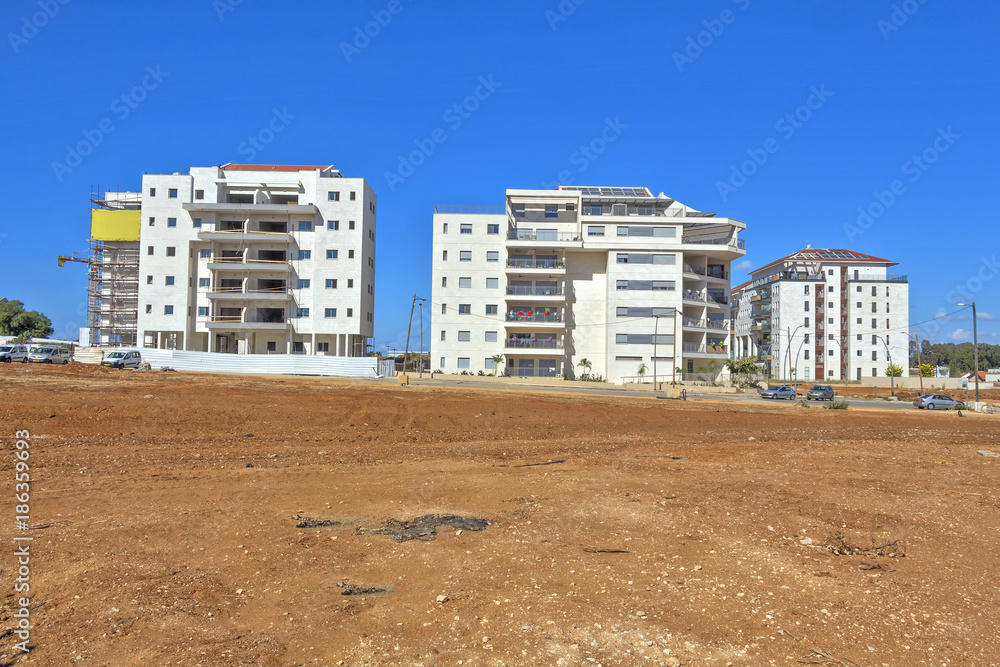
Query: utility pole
(674,360)
(975,346)
(420,353)
(789,346)
(406,353)
(656,328)
(920,371)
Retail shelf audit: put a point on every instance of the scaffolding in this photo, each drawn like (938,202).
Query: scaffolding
(113,269)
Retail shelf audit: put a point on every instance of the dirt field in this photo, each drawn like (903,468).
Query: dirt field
(621,531)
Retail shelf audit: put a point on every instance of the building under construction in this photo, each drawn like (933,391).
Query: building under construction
(113,270)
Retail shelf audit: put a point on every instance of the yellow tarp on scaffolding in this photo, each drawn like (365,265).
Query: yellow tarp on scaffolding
(115,225)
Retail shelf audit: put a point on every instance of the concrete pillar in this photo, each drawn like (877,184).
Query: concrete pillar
(312,350)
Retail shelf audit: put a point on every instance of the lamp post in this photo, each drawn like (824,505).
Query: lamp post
(420,354)
(656,328)
(795,366)
(920,371)
(892,371)
(843,361)
(791,335)
(975,345)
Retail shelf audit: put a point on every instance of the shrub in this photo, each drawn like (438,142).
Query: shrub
(837,405)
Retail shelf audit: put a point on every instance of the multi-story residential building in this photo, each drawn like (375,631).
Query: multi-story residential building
(257,259)
(582,280)
(823,314)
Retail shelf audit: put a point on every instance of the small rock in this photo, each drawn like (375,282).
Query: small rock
(457,533)
(322,452)
(239,591)
(751,439)
(989,455)
(442,598)
(806,540)
(486,640)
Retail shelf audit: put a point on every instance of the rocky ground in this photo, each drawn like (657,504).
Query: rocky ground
(166,512)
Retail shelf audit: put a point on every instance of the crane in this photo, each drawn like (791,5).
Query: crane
(75,257)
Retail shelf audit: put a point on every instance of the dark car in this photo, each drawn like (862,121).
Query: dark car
(821,392)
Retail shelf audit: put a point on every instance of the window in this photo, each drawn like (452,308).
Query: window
(301,312)
(444,255)
(805,290)
(442,363)
(874,339)
(518,210)
(661,232)
(350,283)
(874,307)
(196,222)
(168,280)
(491,336)
(331,254)
(858,305)
(492,283)
(859,336)
(152,221)
(595,230)
(333,224)
(492,229)
(645,285)
(829,353)
(805,306)
(298,347)
(874,291)
(304,283)
(570,206)
(171,251)
(333,196)
(322,347)
(171,222)
(492,255)
(596,209)
(830,288)
(645,258)
(272,346)
(202,311)
(204,282)
(149,280)
(465,228)
(464,336)
(350,312)
(149,250)
(444,227)
(641,311)
(350,254)
(806,322)
(305,225)
(350,224)
(463,362)
(465,256)
(859,288)
(464,309)
(491,309)
(465,282)
(149,308)
(830,337)
(444,281)
(829,305)
(305,254)
(329,312)
(489,364)
(331,283)
(874,323)
(829,320)
(806,357)
(643,339)
(551,210)
(168,310)
(806,341)
(443,334)
(172,193)
(859,320)
(354,196)
(874,355)
(152,192)
(444,308)
(859,353)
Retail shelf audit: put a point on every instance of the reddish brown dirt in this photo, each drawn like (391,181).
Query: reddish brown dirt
(168,548)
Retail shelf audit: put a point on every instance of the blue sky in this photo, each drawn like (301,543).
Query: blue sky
(793,117)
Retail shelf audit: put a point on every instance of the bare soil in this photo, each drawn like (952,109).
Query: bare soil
(620,531)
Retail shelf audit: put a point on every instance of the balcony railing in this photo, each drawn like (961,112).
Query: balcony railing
(719,325)
(875,278)
(531,372)
(534,235)
(534,344)
(245,260)
(536,264)
(695,348)
(486,209)
(534,291)
(529,316)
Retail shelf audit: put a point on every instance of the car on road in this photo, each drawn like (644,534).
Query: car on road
(783,391)
(13,352)
(50,355)
(821,392)
(938,402)
(122,359)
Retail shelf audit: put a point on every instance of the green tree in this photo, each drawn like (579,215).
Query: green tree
(894,370)
(586,365)
(23,324)
(497,361)
(642,371)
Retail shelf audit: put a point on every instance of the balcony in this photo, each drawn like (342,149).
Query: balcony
(875,278)
(544,317)
(540,266)
(248,264)
(543,237)
(554,293)
(238,294)
(244,323)
(241,236)
(713,325)
(696,350)
(244,208)
(541,344)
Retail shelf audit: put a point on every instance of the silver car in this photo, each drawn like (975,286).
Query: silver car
(783,391)
(121,359)
(50,355)
(938,402)
(13,352)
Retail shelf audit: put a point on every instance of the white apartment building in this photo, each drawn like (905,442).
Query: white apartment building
(614,276)
(823,314)
(257,259)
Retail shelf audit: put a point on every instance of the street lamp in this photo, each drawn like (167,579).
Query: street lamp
(892,371)
(791,336)
(795,366)
(975,345)
(843,360)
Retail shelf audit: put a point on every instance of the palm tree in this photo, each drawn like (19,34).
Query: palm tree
(642,371)
(497,360)
(586,365)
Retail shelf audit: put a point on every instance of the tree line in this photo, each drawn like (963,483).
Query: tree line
(958,357)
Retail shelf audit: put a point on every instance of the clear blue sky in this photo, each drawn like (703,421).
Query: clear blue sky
(694,91)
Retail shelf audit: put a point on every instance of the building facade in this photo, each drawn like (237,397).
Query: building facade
(611,282)
(257,259)
(823,314)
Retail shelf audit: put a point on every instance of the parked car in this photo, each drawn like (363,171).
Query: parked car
(783,391)
(938,402)
(50,355)
(13,352)
(121,359)
(821,392)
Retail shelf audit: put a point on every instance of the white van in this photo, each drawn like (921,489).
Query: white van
(48,354)
(13,352)
(121,359)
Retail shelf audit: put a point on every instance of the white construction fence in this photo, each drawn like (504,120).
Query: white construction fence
(272,364)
